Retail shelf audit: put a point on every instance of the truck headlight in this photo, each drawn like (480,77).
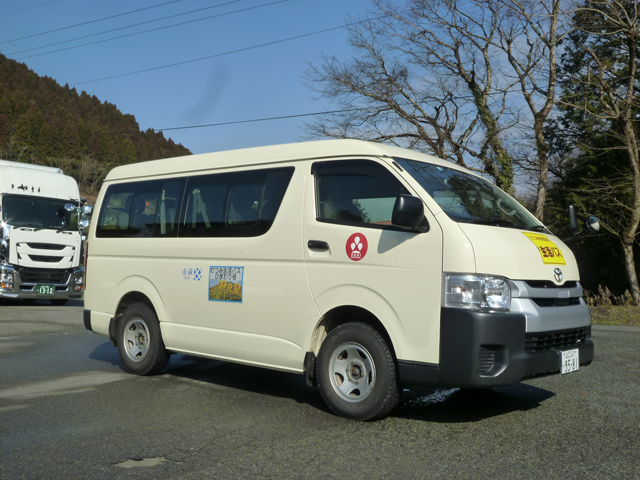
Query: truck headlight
(78,279)
(476,292)
(6,280)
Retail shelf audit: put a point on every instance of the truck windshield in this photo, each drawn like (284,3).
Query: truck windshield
(466,198)
(37,212)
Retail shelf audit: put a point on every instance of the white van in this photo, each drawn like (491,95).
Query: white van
(363,266)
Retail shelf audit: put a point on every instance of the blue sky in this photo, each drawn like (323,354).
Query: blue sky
(252,83)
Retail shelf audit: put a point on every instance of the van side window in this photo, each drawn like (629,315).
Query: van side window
(355,192)
(141,209)
(237,204)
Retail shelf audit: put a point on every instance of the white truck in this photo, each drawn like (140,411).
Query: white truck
(41,248)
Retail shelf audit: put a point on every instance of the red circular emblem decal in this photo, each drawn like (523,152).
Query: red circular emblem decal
(357,246)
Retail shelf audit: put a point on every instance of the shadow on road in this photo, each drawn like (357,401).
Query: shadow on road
(469,405)
(38,303)
(431,405)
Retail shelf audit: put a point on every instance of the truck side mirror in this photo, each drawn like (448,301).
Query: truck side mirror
(408,212)
(87,211)
(70,207)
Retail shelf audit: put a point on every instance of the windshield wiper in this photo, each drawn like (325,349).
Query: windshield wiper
(29,225)
(497,222)
(537,228)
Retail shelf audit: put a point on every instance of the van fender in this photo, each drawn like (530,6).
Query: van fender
(365,299)
(141,286)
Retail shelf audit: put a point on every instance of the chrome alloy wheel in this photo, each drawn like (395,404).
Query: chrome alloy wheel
(136,339)
(352,372)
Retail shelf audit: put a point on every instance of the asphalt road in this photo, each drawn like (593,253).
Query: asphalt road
(68,410)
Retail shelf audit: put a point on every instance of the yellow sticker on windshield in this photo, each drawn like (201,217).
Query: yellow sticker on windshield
(551,255)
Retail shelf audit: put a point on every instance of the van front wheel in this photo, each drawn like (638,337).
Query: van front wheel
(140,342)
(356,373)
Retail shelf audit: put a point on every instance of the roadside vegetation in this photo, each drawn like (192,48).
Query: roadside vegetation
(609,309)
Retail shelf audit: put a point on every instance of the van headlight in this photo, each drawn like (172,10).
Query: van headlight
(476,292)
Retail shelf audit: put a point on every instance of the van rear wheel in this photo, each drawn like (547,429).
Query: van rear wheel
(357,373)
(140,344)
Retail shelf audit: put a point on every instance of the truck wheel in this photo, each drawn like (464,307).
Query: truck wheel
(58,302)
(357,373)
(140,342)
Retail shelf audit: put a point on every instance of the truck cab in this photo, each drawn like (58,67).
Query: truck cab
(41,245)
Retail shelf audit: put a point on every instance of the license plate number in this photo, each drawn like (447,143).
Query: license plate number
(570,361)
(45,290)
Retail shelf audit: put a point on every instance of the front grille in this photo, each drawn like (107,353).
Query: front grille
(542,341)
(46,246)
(43,259)
(34,275)
(556,302)
(550,284)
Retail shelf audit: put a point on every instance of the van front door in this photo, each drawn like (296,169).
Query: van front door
(355,257)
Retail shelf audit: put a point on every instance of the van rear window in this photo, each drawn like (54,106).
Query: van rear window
(236,204)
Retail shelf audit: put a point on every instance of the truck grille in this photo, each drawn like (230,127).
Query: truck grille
(46,246)
(33,275)
(45,259)
(541,341)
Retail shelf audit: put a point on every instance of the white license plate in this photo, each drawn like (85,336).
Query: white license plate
(570,361)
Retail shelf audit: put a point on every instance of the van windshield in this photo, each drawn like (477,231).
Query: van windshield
(36,212)
(466,198)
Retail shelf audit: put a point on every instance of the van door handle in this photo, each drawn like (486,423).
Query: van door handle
(317,245)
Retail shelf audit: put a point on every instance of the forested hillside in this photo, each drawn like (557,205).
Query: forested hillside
(45,123)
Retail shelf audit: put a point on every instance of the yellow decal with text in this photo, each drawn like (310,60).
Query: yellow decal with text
(551,255)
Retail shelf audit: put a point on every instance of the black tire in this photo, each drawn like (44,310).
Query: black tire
(356,373)
(58,302)
(140,342)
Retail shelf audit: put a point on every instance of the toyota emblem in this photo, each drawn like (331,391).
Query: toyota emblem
(557,273)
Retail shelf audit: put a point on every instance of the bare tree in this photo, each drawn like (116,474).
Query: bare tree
(423,78)
(529,37)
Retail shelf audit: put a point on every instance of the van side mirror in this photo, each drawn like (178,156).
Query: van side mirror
(593,224)
(573,223)
(408,212)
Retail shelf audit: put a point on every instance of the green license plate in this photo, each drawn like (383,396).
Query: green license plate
(45,290)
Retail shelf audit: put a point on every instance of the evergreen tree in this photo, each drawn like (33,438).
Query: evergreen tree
(601,103)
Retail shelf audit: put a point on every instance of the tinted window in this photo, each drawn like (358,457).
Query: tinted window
(358,191)
(238,204)
(141,209)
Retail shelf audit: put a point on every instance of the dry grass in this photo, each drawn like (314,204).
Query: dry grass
(610,309)
(616,315)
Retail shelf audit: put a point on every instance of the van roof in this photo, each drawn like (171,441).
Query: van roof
(268,155)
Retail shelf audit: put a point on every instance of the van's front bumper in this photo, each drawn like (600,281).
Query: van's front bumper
(479,350)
